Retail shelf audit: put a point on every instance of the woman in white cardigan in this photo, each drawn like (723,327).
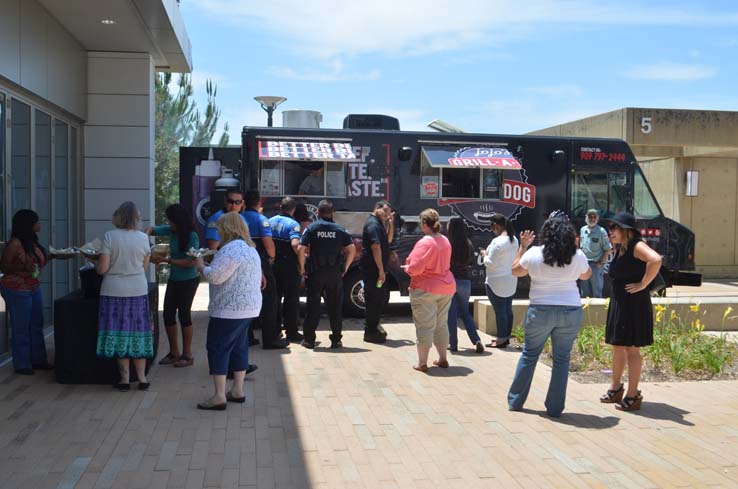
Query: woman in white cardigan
(235,299)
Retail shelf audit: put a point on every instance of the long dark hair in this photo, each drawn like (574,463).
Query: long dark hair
(178,215)
(504,222)
(22,230)
(559,241)
(461,247)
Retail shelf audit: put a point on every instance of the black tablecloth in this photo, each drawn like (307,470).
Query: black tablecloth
(75,340)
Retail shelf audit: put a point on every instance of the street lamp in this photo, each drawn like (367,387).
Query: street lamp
(269,103)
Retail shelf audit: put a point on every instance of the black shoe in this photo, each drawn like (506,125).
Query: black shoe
(122,387)
(276,345)
(24,371)
(479,347)
(295,338)
(453,349)
(144,386)
(308,344)
(209,406)
(231,398)
(251,368)
(336,344)
(43,366)
(254,342)
(381,330)
(375,338)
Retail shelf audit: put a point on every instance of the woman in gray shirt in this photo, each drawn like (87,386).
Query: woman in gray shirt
(124,324)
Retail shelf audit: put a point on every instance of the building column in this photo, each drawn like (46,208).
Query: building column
(118,138)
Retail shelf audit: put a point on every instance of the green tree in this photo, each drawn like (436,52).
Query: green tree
(179,123)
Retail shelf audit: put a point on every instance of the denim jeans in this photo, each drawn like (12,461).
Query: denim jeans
(503,313)
(26,312)
(592,287)
(562,324)
(460,307)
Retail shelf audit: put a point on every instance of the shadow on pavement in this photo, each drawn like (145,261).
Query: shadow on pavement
(586,421)
(452,371)
(662,411)
(470,352)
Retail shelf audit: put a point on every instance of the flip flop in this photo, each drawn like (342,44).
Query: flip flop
(439,363)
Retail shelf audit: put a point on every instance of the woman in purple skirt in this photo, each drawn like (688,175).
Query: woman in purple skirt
(124,325)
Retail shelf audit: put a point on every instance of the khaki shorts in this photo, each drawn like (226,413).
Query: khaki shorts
(430,314)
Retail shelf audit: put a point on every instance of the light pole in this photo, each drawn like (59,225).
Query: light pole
(269,103)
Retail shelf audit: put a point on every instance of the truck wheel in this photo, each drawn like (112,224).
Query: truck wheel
(353,295)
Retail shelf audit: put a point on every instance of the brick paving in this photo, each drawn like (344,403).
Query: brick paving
(361,418)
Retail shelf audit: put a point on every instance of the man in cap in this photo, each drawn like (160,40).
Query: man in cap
(595,244)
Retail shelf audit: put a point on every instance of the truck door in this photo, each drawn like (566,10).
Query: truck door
(607,191)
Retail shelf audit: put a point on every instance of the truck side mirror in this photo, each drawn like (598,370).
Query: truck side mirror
(405,153)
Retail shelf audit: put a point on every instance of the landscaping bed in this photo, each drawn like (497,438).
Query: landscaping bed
(680,351)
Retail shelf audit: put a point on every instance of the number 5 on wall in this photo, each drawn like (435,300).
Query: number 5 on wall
(646,125)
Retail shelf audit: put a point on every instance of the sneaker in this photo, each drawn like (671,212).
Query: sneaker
(479,347)
(295,338)
(336,344)
(308,344)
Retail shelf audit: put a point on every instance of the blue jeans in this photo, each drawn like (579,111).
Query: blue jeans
(26,310)
(503,314)
(460,307)
(562,324)
(228,345)
(592,287)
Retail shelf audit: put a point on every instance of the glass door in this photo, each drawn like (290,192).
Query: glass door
(41,192)
(60,212)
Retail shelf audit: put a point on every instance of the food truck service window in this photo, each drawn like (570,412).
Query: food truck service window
(464,172)
(314,169)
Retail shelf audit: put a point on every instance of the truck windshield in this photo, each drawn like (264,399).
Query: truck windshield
(644,204)
(606,192)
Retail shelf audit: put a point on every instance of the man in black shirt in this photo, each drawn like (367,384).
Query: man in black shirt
(375,240)
(327,242)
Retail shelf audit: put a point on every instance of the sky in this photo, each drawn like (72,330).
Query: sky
(487,66)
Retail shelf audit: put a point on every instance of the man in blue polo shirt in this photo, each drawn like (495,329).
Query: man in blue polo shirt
(261,234)
(286,236)
(595,244)
(233,203)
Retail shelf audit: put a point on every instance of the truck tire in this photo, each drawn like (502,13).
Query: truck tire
(353,295)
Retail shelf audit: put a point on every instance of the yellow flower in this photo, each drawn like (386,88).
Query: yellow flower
(694,308)
(697,325)
(673,316)
(727,312)
(660,308)
(659,315)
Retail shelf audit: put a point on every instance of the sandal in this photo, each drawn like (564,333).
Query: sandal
(498,344)
(630,403)
(231,398)
(440,363)
(613,396)
(168,359)
(421,368)
(184,361)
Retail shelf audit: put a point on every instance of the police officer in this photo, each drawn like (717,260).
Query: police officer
(261,234)
(286,236)
(594,242)
(375,240)
(327,241)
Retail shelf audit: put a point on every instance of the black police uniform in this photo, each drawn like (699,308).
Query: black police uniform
(259,227)
(287,272)
(326,240)
(375,297)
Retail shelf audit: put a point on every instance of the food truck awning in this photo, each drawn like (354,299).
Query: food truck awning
(306,151)
(470,157)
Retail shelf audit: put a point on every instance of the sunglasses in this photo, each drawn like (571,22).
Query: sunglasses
(234,202)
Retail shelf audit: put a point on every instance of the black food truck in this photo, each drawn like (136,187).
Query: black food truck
(459,174)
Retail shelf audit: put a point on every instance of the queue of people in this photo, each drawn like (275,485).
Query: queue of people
(255,278)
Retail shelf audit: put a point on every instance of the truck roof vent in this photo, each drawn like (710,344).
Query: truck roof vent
(371,121)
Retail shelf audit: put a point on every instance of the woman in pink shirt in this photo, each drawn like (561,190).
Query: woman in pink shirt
(432,287)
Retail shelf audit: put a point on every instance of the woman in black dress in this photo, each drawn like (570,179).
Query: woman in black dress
(630,315)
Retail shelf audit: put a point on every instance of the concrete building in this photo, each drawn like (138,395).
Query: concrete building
(77,116)
(669,143)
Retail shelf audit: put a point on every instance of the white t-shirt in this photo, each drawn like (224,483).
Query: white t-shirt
(553,285)
(498,264)
(126,276)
